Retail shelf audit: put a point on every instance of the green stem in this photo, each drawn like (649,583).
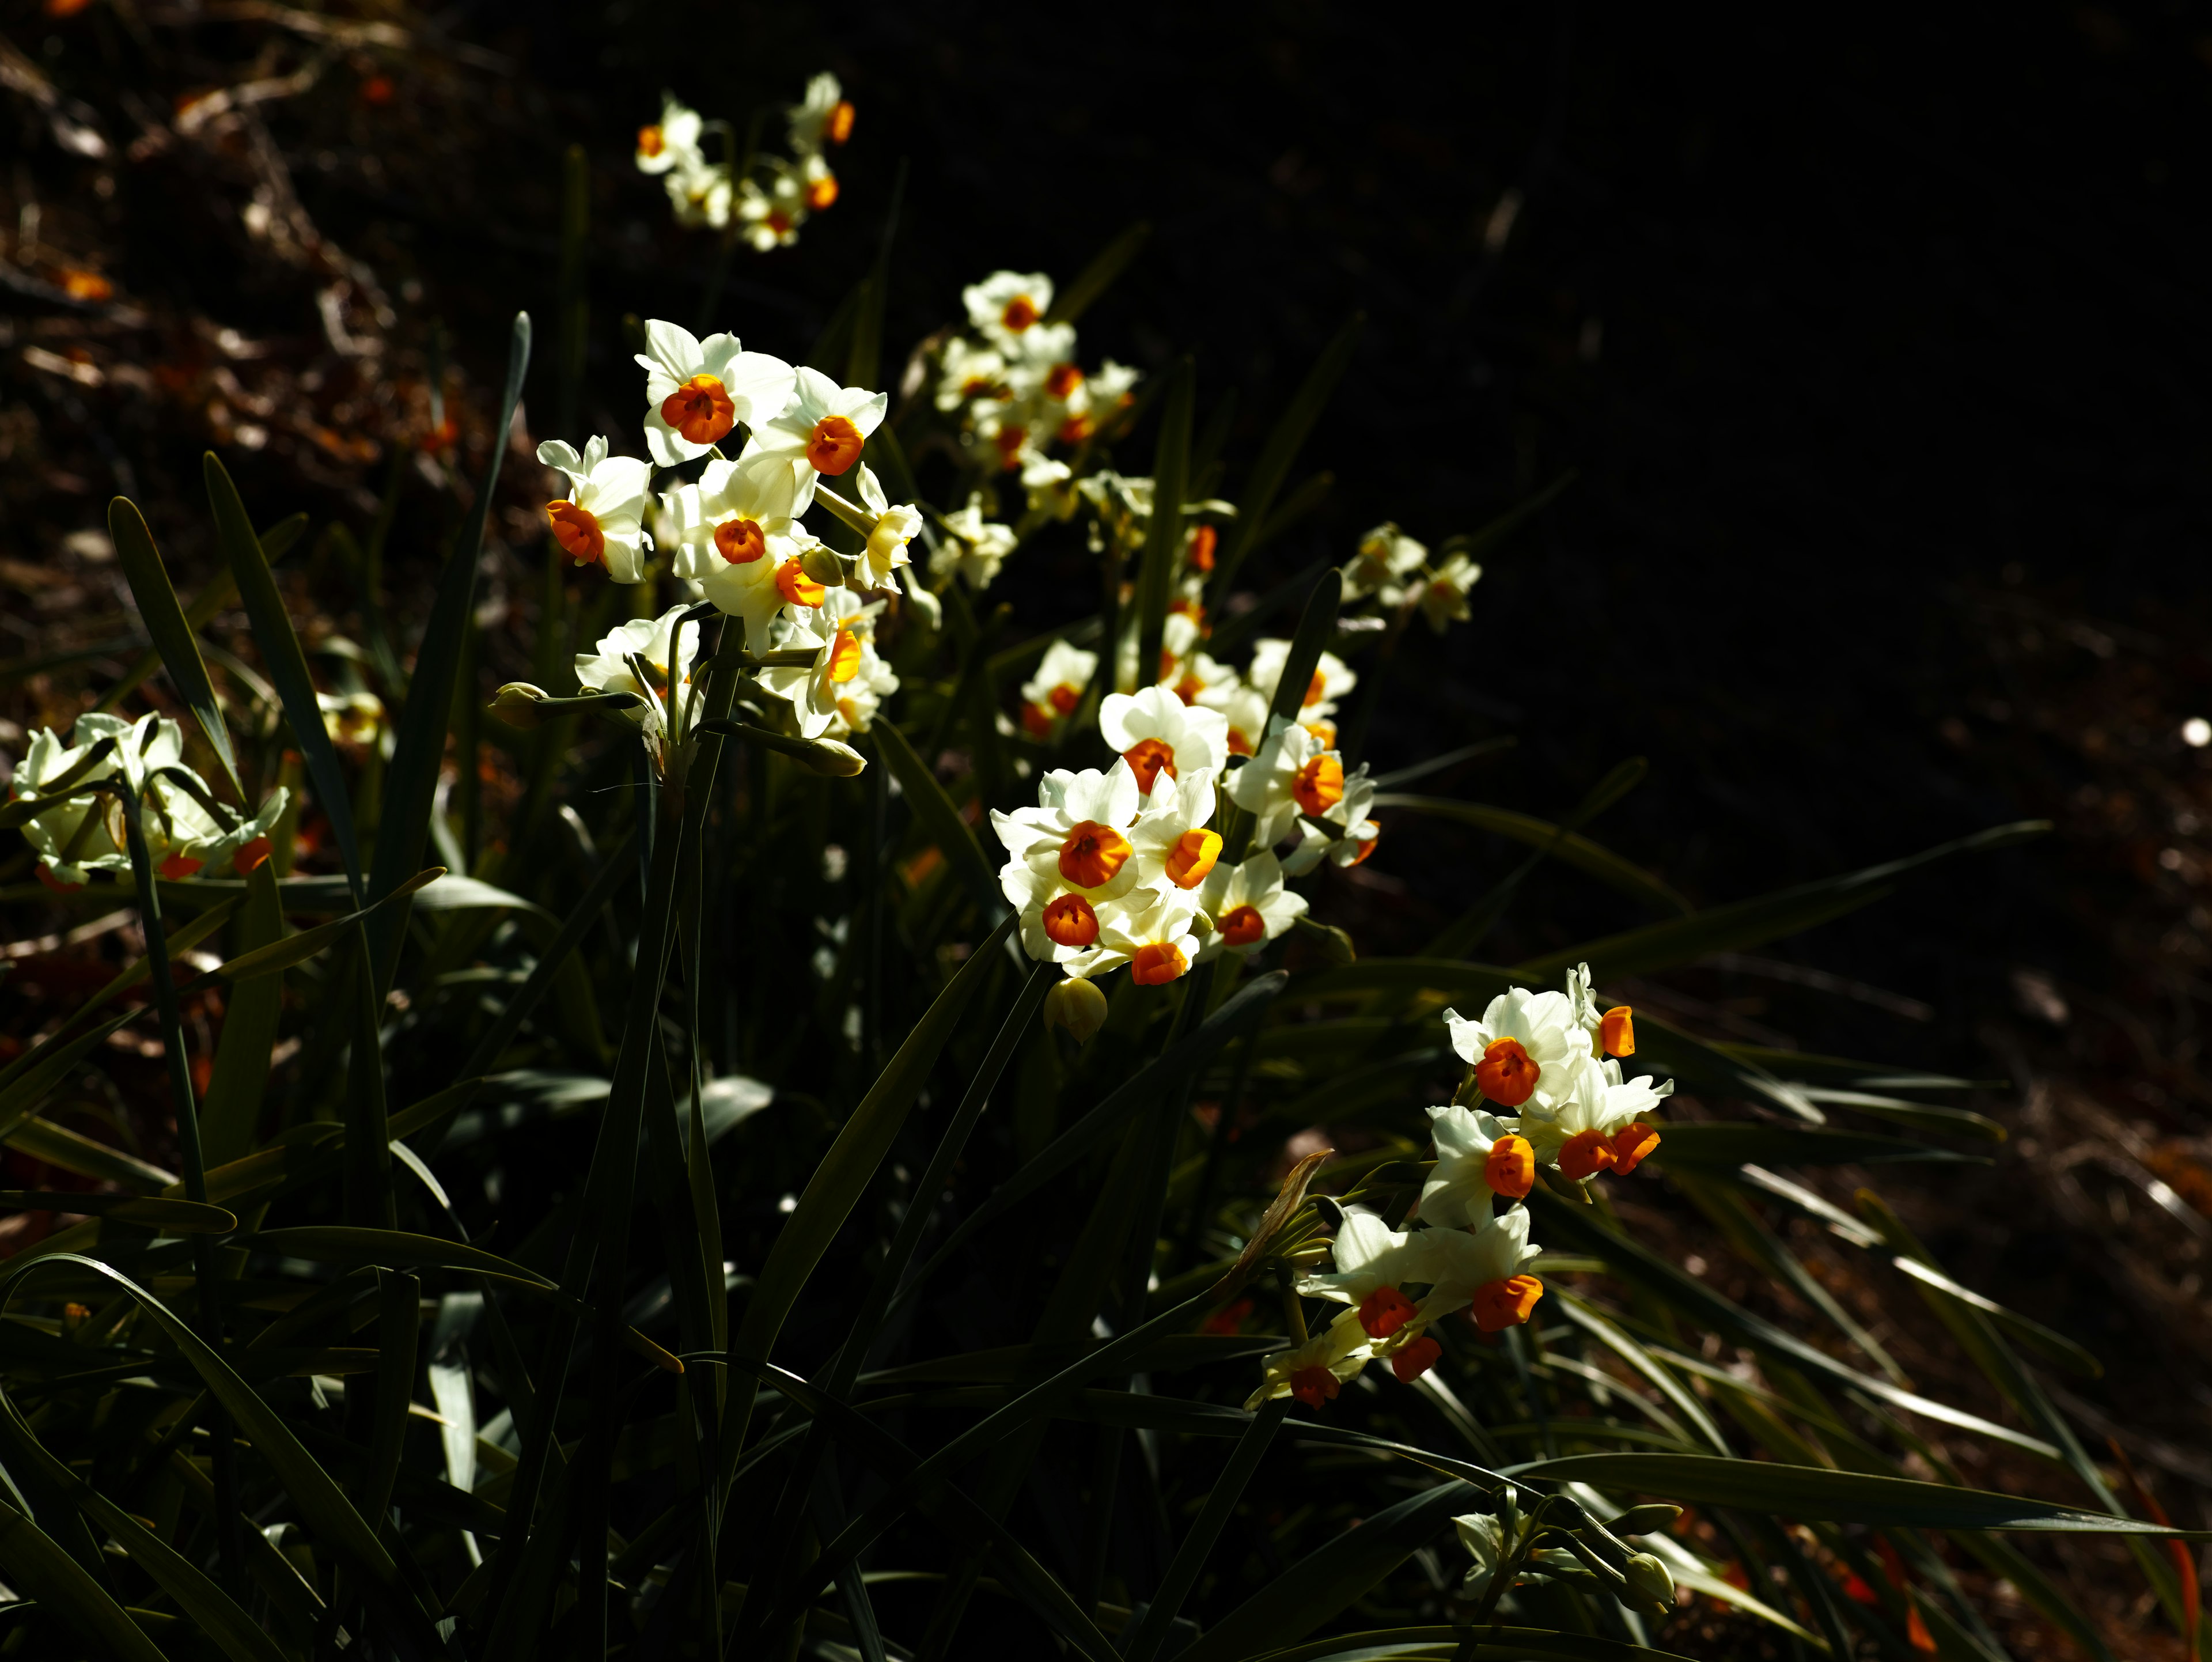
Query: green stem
(1190,1557)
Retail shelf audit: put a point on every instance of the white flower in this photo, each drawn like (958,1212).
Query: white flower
(1386,557)
(1528,1048)
(351,718)
(772,215)
(1079,829)
(1171,841)
(1051,694)
(869,681)
(1332,678)
(1483,1269)
(1050,487)
(1590,1131)
(602,521)
(895,527)
(1060,924)
(1313,1371)
(974,547)
(735,538)
(698,391)
(1352,834)
(1243,706)
(1292,773)
(700,193)
(1484,1537)
(668,657)
(673,141)
(821,430)
(1006,305)
(969,374)
(1249,905)
(812,688)
(1157,939)
(1442,592)
(824,116)
(1465,1175)
(1157,732)
(1371,1258)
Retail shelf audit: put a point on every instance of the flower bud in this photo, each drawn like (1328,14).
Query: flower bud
(832,758)
(516,705)
(1648,1582)
(822,564)
(1641,1520)
(1077,1006)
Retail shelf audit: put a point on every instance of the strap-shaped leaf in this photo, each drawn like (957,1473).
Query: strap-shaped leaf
(230,1112)
(1095,278)
(287,663)
(1710,1145)
(1816,1492)
(939,818)
(410,781)
(1568,847)
(37,1565)
(218,592)
(164,622)
(176,1217)
(1281,449)
(1164,536)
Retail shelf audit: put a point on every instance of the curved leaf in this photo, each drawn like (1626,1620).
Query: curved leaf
(1571,847)
(1706,1144)
(36,1563)
(164,622)
(939,818)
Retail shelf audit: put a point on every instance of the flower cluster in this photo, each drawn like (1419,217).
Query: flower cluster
(186,830)
(1397,572)
(1554,1056)
(735,533)
(769,195)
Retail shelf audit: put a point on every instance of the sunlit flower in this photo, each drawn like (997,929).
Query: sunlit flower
(1156,939)
(700,193)
(667,657)
(1315,1371)
(1527,1048)
(1157,732)
(1601,1126)
(1442,592)
(1386,558)
(859,678)
(969,372)
(1061,923)
(1080,829)
(733,533)
(602,521)
(894,527)
(1170,837)
(1292,773)
(698,391)
(821,431)
(1050,696)
(1478,1155)
(1370,1261)
(973,547)
(1249,905)
(1483,1269)
(1332,678)
(1005,306)
(1342,831)
(823,116)
(672,142)
(770,215)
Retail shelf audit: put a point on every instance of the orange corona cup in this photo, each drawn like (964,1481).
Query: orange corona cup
(1585,1154)
(1631,1144)
(1416,1358)
(837,126)
(251,855)
(1316,687)
(845,656)
(796,587)
(1193,857)
(1319,786)
(1511,1170)
(740,541)
(821,192)
(1507,1073)
(700,409)
(1243,926)
(178,867)
(833,445)
(1069,922)
(1384,1310)
(1148,758)
(578,533)
(1091,853)
(1617,1032)
(1064,698)
(1503,1304)
(1020,313)
(1061,381)
(1157,964)
(1203,541)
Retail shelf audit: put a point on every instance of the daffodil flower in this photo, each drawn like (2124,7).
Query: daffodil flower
(1079,830)
(1442,595)
(1006,305)
(696,391)
(672,142)
(1156,733)
(770,215)
(1314,1372)
(1371,1260)
(820,432)
(1157,938)
(601,522)
(974,548)
(1483,1270)
(1060,923)
(1293,773)
(970,374)
(1527,1049)
(1243,707)
(1332,678)
(668,650)
(1601,1127)
(1248,905)
(1342,831)
(814,689)
(1386,558)
(892,528)
(860,680)
(1174,849)
(700,193)
(1050,696)
(823,116)
(1478,1155)
(733,534)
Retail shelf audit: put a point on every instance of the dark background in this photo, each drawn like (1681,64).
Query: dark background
(1877,345)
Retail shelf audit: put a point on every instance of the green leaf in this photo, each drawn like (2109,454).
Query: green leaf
(164,622)
(1754,922)
(287,663)
(230,1113)
(1281,449)
(1707,1144)
(1819,1494)
(280,955)
(940,819)
(410,778)
(864,363)
(1500,1643)
(58,1145)
(1450,758)
(37,1565)
(218,592)
(1164,536)
(1333,1577)
(1573,849)
(1108,263)
(175,1217)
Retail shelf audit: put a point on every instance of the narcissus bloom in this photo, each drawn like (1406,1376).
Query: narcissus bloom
(1079,830)
(770,215)
(1483,1271)
(1050,696)
(974,547)
(699,192)
(672,142)
(1527,1044)
(1342,831)
(1478,1155)
(1315,1371)
(1173,845)
(1386,558)
(1371,1260)
(733,533)
(859,679)
(1062,924)
(970,373)
(1156,939)
(696,391)
(1156,733)
(895,527)
(1248,905)
(1331,680)
(1442,592)
(1292,771)
(823,117)
(1597,1128)
(602,519)
(812,688)
(1006,305)
(822,430)
(665,649)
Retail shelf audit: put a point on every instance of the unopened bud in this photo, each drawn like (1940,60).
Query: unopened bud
(1077,1006)
(1641,1520)
(1335,945)
(1648,1582)
(516,705)
(832,758)
(822,564)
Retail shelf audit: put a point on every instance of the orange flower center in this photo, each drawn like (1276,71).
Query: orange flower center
(778,221)
(1076,429)
(740,541)
(1416,1358)
(578,533)
(1238,743)
(1503,1304)
(1314,1385)
(1069,922)
(821,193)
(1091,854)
(1064,698)
(1319,786)
(1203,542)
(1020,313)
(700,409)
(1361,849)
(837,126)
(1148,758)
(1617,1032)
(1241,926)
(1193,857)
(1189,688)
(649,141)
(797,586)
(56,884)
(833,445)
(1585,1154)
(1010,440)
(1061,381)
(1316,687)
(844,656)
(177,867)
(1384,1310)
(1630,1145)
(1036,720)
(1158,964)
(1511,1170)
(1507,1073)
(250,855)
